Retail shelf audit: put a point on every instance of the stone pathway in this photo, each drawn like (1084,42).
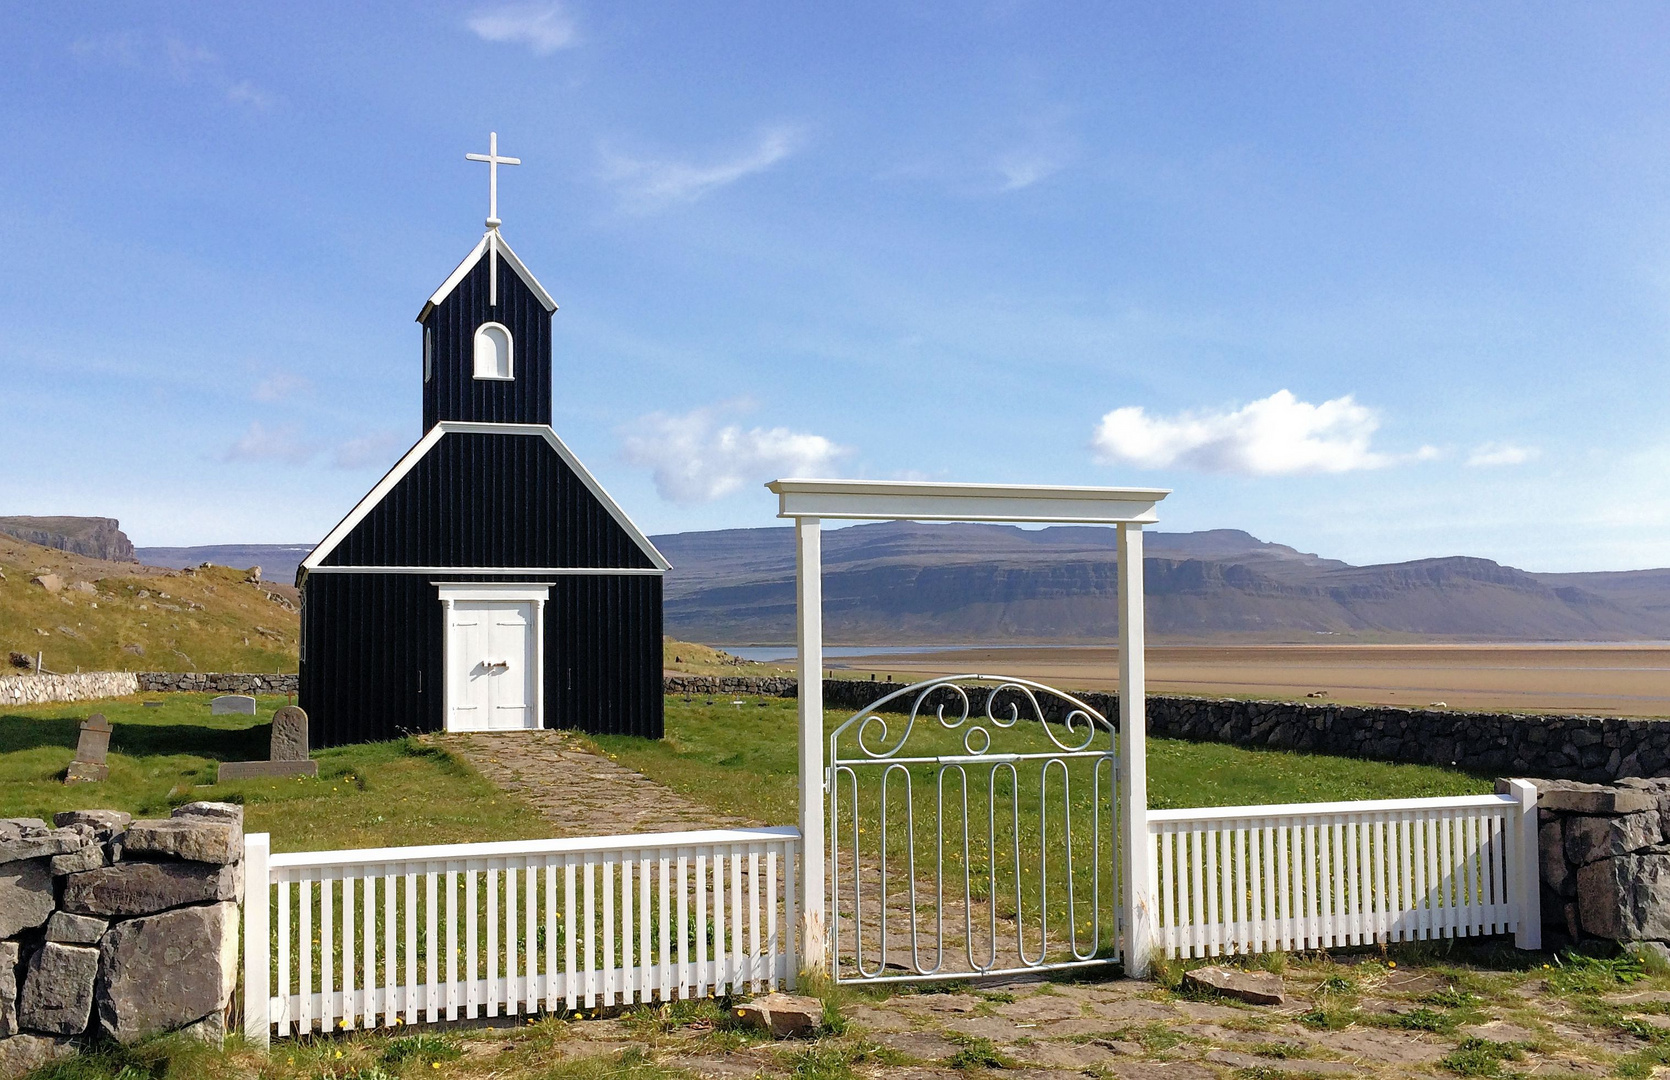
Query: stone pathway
(579,792)
(1392,1024)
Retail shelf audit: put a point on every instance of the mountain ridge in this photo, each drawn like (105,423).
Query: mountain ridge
(897,582)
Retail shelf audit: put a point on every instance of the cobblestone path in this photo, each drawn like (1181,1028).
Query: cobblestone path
(579,792)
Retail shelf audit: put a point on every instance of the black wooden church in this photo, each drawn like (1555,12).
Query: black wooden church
(488,582)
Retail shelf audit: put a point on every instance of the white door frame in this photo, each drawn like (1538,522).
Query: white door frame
(514,591)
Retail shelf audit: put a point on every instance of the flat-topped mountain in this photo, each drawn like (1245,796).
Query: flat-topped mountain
(94,537)
(903,582)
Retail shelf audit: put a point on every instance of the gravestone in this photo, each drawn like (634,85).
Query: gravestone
(288,754)
(289,735)
(89,764)
(229,704)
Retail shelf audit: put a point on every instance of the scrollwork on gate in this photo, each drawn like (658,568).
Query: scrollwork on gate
(1007,702)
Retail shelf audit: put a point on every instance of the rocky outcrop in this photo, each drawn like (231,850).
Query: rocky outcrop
(116,928)
(96,538)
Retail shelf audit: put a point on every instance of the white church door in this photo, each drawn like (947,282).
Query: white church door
(494,661)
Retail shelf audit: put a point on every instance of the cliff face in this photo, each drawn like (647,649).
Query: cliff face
(96,538)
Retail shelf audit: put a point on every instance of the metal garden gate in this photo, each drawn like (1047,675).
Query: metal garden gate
(975,833)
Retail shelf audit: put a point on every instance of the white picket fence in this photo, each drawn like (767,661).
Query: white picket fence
(342,940)
(1247,879)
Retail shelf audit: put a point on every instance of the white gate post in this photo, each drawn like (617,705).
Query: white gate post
(257,941)
(1136,853)
(1527,884)
(808,572)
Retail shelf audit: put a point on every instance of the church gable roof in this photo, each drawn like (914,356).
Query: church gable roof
(491,243)
(474,496)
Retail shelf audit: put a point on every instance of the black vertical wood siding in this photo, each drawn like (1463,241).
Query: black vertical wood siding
(372,662)
(479,499)
(453,392)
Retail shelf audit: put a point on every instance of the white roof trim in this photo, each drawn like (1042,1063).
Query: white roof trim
(911,500)
(427,443)
(490,239)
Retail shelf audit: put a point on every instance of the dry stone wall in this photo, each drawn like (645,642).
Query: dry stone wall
(1587,748)
(1604,851)
(45,689)
(197,682)
(116,929)
(92,685)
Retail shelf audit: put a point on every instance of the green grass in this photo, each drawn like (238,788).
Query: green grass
(742,760)
(370,795)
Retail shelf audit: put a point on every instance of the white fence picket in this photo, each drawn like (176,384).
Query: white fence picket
(634,924)
(1257,878)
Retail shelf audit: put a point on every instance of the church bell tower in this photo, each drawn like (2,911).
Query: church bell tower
(487,331)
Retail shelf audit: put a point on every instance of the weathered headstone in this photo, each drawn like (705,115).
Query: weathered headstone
(90,752)
(288,755)
(289,735)
(229,704)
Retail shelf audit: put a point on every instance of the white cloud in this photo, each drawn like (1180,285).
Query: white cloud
(122,47)
(280,387)
(1274,436)
(1492,454)
(281,443)
(544,28)
(185,59)
(380,448)
(182,61)
(700,457)
(649,184)
(1022,170)
(245,92)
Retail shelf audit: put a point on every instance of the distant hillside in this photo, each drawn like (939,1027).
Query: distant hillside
(901,582)
(278,562)
(99,615)
(97,538)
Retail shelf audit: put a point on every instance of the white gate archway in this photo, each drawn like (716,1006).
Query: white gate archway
(809,502)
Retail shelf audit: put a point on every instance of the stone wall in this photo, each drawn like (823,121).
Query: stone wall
(43,689)
(1587,748)
(92,685)
(118,929)
(1605,860)
(196,682)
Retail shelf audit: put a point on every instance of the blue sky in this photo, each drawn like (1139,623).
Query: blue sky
(1379,281)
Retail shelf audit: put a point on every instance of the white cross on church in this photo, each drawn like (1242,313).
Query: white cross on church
(493,162)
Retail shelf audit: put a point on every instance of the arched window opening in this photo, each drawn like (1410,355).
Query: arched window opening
(494,352)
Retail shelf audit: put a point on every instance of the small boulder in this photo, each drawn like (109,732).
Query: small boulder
(50,582)
(72,929)
(219,811)
(25,1053)
(106,823)
(90,857)
(784,1016)
(1253,987)
(35,844)
(167,971)
(195,839)
(144,888)
(57,996)
(8,989)
(25,896)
